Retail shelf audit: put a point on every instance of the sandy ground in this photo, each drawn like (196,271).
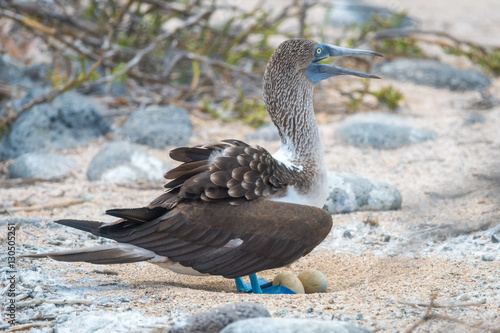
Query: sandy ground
(437,241)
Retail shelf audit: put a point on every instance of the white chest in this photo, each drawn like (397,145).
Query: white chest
(318,192)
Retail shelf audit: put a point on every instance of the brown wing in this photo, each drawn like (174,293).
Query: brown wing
(235,240)
(230,171)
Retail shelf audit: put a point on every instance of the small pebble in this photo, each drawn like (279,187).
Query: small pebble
(474,118)
(359,316)
(386,238)
(464,297)
(495,239)
(347,234)
(488,257)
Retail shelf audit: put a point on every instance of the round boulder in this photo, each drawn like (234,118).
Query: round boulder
(158,126)
(123,162)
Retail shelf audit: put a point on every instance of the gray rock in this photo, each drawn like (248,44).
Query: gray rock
(433,73)
(488,257)
(158,126)
(350,193)
(213,321)
(70,120)
(44,166)
(114,89)
(122,162)
(474,118)
(380,131)
(289,325)
(36,74)
(10,70)
(345,13)
(266,133)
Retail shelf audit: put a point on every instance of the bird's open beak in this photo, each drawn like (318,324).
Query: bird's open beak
(318,72)
(334,51)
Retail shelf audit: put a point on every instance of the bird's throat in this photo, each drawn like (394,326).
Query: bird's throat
(294,117)
(301,147)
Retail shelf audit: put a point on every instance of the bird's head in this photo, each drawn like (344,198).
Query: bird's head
(299,54)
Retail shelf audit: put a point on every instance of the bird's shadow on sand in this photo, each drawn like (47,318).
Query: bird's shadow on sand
(224,286)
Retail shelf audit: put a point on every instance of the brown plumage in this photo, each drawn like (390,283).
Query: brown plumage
(187,236)
(231,209)
(231,170)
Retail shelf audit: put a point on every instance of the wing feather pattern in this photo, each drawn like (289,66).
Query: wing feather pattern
(230,169)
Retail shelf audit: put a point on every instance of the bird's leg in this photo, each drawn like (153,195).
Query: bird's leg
(240,285)
(255,284)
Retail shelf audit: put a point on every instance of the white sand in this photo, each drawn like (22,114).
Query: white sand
(449,186)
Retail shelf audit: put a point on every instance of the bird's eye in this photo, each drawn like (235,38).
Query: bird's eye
(318,51)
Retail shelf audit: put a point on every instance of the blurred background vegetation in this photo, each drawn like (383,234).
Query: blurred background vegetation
(198,54)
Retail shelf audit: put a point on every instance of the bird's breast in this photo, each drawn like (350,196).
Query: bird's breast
(315,196)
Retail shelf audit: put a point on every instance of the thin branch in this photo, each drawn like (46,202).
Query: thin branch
(37,9)
(57,301)
(53,205)
(49,96)
(26,327)
(218,63)
(302,20)
(429,315)
(398,32)
(436,306)
(115,22)
(143,52)
(8,183)
(425,317)
(174,7)
(53,32)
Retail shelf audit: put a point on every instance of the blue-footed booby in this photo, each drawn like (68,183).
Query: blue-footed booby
(231,209)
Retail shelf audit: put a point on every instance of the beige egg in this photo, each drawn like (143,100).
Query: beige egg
(313,281)
(287,279)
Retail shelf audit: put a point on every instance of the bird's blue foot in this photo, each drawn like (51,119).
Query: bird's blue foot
(260,286)
(240,285)
(255,284)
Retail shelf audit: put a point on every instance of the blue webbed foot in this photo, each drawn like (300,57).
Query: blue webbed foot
(260,286)
(255,284)
(240,285)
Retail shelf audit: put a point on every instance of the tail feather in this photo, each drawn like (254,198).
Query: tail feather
(88,226)
(140,215)
(105,254)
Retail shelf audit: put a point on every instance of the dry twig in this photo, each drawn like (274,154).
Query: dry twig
(143,52)
(49,96)
(57,301)
(16,182)
(43,207)
(430,315)
(25,327)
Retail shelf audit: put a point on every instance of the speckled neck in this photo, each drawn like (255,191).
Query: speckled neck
(288,96)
